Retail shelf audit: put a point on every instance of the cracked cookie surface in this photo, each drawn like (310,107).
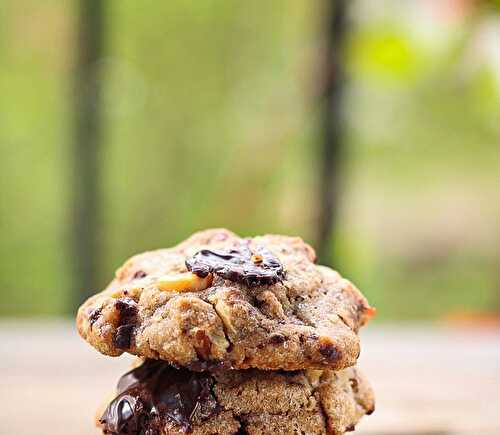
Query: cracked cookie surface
(303,316)
(159,399)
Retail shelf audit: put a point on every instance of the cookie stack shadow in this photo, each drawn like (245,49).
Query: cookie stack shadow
(233,336)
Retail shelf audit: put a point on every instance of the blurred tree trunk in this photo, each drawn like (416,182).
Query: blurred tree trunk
(86,142)
(331,151)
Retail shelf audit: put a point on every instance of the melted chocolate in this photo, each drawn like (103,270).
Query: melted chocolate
(154,392)
(241,265)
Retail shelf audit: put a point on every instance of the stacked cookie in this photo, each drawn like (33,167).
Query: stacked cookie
(234,336)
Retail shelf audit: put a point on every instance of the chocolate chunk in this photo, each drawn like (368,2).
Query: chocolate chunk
(277,339)
(123,336)
(94,315)
(122,416)
(127,309)
(156,391)
(252,268)
(329,351)
(127,318)
(242,429)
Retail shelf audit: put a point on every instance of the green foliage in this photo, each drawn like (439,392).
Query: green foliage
(209,121)
(388,55)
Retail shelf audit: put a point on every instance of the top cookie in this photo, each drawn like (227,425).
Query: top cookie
(217,300)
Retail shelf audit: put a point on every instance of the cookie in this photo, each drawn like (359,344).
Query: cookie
(157,399)
(217,300)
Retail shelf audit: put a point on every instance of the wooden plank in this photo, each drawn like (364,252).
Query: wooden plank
(428,381)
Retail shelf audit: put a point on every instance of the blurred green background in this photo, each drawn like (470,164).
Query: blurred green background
(210,118)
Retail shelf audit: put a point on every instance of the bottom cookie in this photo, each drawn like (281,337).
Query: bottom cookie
(157,399)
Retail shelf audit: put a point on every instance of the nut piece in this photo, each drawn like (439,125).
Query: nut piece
(257,258)
(224,312)
(184,282)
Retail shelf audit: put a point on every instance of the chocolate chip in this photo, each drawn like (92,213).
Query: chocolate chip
(350,428)
(242,429)
(127,310)
(127,318)
(329,351)
(277,339)
(123,336)
(94,315)
(155,392)
(237,265)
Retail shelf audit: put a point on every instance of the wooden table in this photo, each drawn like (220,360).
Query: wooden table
(428,381)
